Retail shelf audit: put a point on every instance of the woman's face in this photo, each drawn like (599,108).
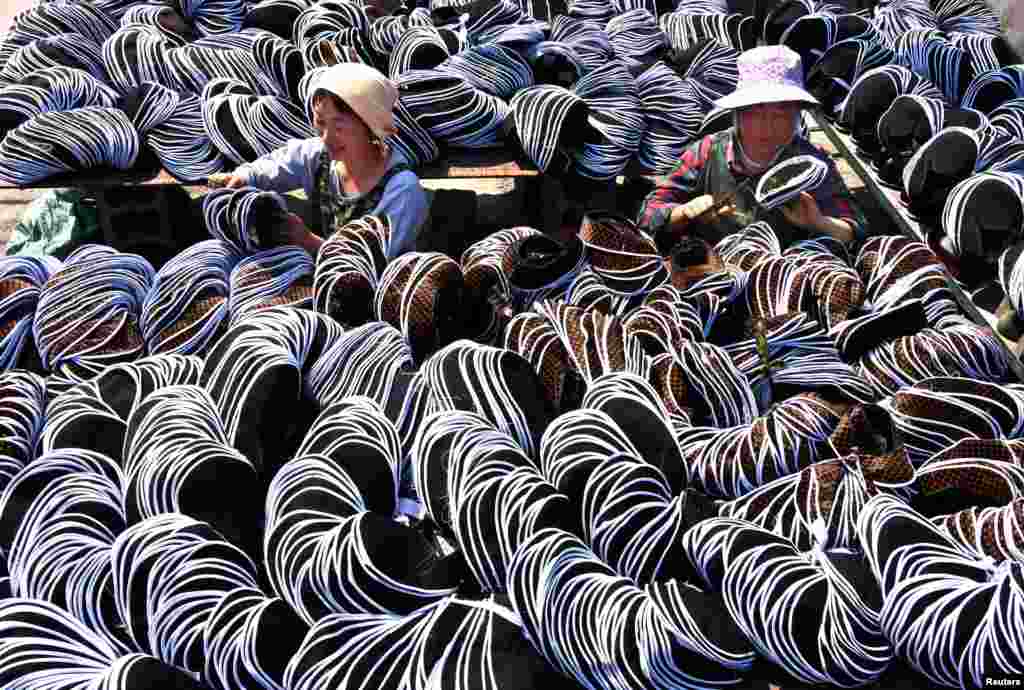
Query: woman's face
(342,131)
(767,127)
(380,8)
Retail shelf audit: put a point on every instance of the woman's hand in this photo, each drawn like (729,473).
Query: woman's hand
(681,217)
(298,234)
(295,229)
(684,213)
(226,180)
(804,212)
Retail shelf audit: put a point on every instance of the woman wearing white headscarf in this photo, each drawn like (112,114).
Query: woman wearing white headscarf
(349,170)
(767,106)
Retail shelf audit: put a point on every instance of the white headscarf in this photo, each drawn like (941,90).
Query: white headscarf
(369,93)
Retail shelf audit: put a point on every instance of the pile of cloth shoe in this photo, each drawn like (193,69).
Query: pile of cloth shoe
(929,88)
(201,86)
(577,465)
(932,96)
(771,466)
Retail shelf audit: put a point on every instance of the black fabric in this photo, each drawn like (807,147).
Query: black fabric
(946,160)
(275,16)
(720,181)
(780,18)
(858,335)
(451,225)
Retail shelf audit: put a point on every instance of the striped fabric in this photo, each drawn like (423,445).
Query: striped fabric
(66,49)
(24,404)
(764,577)
(243,128)
(452,111)
(187,308)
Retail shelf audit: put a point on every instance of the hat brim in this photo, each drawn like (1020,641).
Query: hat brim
(765,93)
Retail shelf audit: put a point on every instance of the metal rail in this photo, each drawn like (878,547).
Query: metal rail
(889,200)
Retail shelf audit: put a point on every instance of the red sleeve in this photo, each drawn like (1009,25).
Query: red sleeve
(681,186)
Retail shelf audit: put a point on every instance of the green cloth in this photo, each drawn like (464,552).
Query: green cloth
(55,224)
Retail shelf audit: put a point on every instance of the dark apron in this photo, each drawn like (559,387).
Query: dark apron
(331,212)
(719,181)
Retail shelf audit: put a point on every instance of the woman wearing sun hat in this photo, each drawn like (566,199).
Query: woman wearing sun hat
(349,170)
(767,106)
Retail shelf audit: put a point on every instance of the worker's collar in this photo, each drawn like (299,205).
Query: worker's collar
(735,158)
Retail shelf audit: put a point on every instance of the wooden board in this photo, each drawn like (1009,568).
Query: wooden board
(479,164)
(491,163)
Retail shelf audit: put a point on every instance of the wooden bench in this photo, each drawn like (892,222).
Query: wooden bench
(146,195)
(149,195)
(496,163)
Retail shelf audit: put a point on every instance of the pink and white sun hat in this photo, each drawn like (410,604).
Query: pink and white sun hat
(769,74)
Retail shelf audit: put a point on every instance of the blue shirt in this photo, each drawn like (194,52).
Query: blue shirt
(293,166)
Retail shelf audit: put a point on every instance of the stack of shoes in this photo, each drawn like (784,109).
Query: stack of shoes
(603,458)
